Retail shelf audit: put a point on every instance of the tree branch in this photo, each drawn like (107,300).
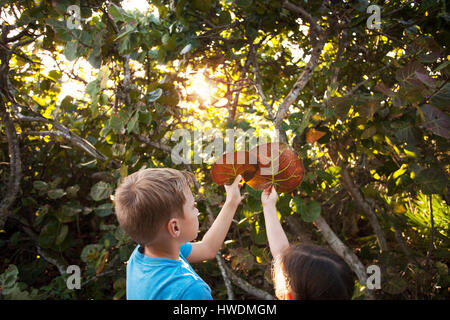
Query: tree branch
(258,81)
(219,258)
(342,250)
(69,136)
(154,144)
(243,74)
(303,13)
(247,287)
(318,41)
(398,236)
(15,165)
(225,277)
(358,197)
(59,263)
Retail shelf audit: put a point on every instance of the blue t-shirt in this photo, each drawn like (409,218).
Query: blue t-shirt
(164,279)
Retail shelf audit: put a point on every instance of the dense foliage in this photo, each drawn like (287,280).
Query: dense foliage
(366,109)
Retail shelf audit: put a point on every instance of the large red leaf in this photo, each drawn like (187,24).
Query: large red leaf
(229,166)
(278,165)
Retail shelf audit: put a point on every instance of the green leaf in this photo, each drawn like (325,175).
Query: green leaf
(93,87)
(313,211)
(104,210)
(67,105)
(72,191)
(48,234)
(442,66)
(367,107)
(430,82)
(406,132)
(169,42)
(56,193)
(244,3)
(68,212)
(55,75)
(154,95)
(133,123)
(40,185)
(128,29)
(407,74)
(95,58)
(432,180)
(253,192)
(186,49)
(437,121)
(119,294)
(71,50)
(101,191)
(62,234)
(145,117)
(116,123)
(116,12)
(442,97)
(9,277)
(90,252)
(308,212)
(124,46)
(369,132)
(341,105)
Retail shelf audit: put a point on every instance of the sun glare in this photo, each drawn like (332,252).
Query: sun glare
(141,5)
(200,87)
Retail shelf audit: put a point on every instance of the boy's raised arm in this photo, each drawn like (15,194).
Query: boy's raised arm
(275,233)
(212,241)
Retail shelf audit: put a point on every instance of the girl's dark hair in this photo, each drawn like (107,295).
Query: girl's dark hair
(316,273)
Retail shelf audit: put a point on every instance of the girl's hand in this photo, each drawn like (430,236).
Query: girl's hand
(269,197)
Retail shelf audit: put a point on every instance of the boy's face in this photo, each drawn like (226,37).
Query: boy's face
(189,222)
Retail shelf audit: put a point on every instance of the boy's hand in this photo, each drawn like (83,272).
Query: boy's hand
(269,197)
(233,191)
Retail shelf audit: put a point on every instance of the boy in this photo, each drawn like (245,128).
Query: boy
(156,208)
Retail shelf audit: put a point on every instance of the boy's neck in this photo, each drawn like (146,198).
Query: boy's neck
(167,251)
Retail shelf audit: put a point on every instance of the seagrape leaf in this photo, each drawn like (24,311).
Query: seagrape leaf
(278,166)
(408,74)
(56,193)
(312,135)
(101,190)
(431,180)
(442,97)
(230,165)
(48,234)
(154,95)
(90,252)
(437,121)
(40,185)
(71,50)
(186,49)
(9,277)
(308,211)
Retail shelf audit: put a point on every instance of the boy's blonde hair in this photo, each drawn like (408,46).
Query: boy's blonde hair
(147,199)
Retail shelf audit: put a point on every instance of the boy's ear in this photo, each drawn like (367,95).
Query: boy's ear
(173,226)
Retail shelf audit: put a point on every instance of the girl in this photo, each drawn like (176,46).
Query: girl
(305,271)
